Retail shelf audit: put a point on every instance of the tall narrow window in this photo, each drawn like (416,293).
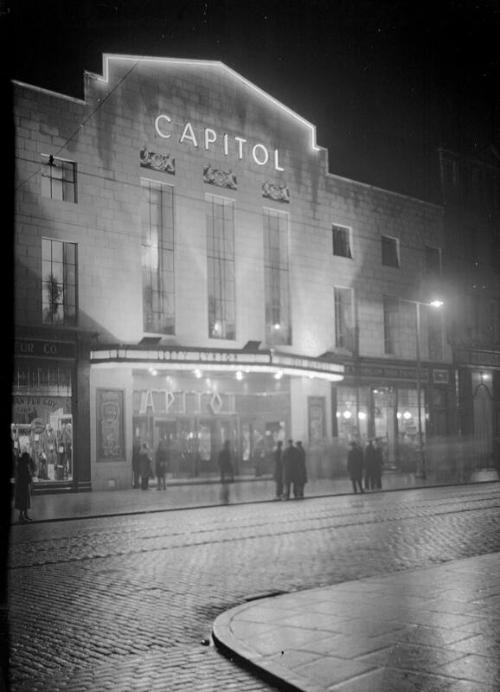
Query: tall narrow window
(432,260)
(344,323)
(58,178)
(276,273)
(435,333)
(391,319)
(59,282)
(390,251)
(157,259)
(341,237)
(220,269)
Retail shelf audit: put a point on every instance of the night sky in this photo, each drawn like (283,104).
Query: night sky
(385,82)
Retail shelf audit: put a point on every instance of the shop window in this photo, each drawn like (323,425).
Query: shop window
(390,251)
(341,236)
(432,260)
(59,282)
(157,258)
(42,422)
(220,268)
(344,323)
(276,275)
(58,178)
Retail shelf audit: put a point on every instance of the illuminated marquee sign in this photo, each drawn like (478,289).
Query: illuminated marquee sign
(211,140)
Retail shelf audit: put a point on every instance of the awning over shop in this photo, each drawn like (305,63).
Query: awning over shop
(228,360)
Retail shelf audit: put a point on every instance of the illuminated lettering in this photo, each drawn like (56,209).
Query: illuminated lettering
(210,137)
(157,125)
(276,161)
(188,133)
(225,139)
(264,154)
(240,142)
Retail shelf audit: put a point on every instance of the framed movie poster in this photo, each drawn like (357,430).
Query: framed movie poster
(110,425)
(317,432)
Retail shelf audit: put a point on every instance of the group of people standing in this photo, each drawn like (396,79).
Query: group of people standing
(142,465)
(365,465)
(290,472)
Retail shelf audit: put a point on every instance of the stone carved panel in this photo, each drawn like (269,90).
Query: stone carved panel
(278,192)
(221,178)
(157,162)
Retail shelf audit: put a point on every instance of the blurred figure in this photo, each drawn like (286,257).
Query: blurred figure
(145,466)
(370,462)
(136,463)
(278,469)
(290,466)
(161,464)
(377,466)
(226,463)
(24,471)
(301,473)
(355,466)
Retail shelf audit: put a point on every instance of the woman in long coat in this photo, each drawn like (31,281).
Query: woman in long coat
(22,491)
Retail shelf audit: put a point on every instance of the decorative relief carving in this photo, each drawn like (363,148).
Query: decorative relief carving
(215,176)
(158,162)
(279,192)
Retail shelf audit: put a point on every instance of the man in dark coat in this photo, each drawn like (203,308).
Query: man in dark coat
(145,464)
(290,467)
(355,466)
(161,464)
(278,469)
(377,466)
(370,463)
(24,471)
(301,475)
(136,463)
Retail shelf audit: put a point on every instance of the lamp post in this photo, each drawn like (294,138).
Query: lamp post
(434,304)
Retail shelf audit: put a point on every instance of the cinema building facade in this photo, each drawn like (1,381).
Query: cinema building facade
(187,269)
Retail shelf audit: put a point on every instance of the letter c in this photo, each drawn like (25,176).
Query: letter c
(157,125)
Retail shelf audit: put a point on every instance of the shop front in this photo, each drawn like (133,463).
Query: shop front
(42,421)
(382,401)
(193,402)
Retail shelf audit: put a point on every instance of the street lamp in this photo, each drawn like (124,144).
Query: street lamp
(434,304)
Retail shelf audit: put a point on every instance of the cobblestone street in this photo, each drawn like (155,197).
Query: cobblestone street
(125,602)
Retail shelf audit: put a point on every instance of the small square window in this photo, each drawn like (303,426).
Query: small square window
(341,241)
(390,251)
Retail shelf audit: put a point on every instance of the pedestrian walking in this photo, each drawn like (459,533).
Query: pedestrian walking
(301,474)
(370,461)
(290,466)
(278,469)
(136,463)
(226,463)
(355,466)
(145,466)
(24,471)
(161,464)
(226,471)
(378,465)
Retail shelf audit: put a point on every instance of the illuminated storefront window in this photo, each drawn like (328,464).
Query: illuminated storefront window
(42,422)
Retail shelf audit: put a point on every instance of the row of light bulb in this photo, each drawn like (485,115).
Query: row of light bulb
(363,416)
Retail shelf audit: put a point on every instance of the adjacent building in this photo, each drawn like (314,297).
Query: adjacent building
(188,269)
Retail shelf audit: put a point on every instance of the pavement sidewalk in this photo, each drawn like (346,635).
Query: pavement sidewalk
(184,494)
(429,629)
